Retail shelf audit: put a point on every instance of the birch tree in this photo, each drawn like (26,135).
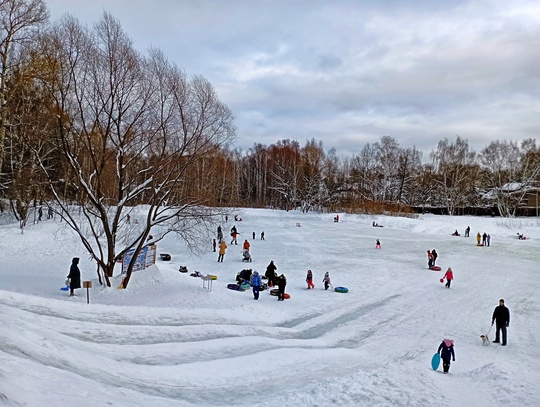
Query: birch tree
(454,164)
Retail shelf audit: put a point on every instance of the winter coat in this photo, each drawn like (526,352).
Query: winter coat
(246,245)
(256,279)
(74,274)
(271,270)
(446,349)
(222,247)
(449,275)
(478,237)
(430,256)
(434,254)
(326,278)
(501,314)
(309,276)
(282,282)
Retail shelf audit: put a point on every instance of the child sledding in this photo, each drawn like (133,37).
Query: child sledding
(246,256)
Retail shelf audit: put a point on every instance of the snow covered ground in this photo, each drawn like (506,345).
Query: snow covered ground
(166,341)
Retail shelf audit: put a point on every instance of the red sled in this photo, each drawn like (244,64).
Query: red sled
(435,268)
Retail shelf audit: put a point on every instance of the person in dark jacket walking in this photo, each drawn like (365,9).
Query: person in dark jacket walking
(282,282)
(446,349)
(74,276)
(501,315)
(467,231)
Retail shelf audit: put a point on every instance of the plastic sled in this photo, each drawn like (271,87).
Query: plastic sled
(341,289)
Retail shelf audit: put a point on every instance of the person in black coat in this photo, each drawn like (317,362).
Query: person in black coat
(271,274)
(282,282)
(501,315)
(435,255)
(74,276)
(446,349)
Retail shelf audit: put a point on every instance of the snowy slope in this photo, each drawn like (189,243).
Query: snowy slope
(166,341)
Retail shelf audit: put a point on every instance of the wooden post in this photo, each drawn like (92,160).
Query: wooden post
(87,285)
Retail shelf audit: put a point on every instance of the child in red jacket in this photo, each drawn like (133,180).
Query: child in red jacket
(449,275)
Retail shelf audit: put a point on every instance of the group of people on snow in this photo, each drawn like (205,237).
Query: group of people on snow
(234,240)
(483,240)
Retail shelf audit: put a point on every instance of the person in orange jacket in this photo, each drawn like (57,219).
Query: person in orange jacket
(222,248)
(246,245)
(449,275)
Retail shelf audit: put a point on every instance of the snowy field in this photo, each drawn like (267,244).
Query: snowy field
(167,341)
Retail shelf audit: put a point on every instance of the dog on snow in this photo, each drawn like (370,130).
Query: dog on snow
(485,340)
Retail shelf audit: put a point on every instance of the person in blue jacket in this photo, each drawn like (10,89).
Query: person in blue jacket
(446,350)
(256,283)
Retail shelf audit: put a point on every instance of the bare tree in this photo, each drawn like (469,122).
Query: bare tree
(456,171)
(19,19)
(132,130)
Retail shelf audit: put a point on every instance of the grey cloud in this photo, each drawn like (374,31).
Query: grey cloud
(347,72)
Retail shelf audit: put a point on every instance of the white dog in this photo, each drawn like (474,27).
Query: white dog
(485,340)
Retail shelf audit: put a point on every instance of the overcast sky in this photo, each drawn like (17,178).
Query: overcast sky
(348,72)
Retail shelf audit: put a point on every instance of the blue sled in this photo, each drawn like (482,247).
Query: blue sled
(66,288)
(435,361)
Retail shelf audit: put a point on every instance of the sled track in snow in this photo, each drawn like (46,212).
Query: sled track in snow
(305,333)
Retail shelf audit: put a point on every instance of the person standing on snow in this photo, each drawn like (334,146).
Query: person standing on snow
(282,282)
(222,248)
(467,231)
(219,233)
(234,233)
(449,275)
(326,280)
(430,259)
(309,280)
(478,237)
(74,276)
(256,283)
(246,245)
(446,350)
(435,255)
(488,239)
(484,239)
(377,244)
(501,315)
(271,273)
